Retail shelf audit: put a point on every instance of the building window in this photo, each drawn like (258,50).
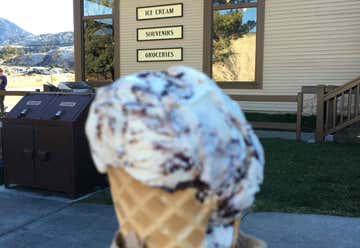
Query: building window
(98,7)
(98,50)
(237,41)
(96,41)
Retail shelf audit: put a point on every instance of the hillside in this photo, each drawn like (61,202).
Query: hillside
(21,48)
(32,78)
(9,31)
(30,61)
(240,65)
(11,34)
(42,42)
(62,57)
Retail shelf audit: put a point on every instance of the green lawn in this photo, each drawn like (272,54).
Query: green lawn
(102,197)
(304,178)
(310,178)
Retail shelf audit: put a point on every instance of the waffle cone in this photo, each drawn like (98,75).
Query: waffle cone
(156,217)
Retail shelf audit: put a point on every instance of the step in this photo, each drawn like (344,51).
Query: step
(349,135)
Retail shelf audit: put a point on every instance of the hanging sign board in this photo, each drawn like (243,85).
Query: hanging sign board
(160,33)
(159,12)
(160,54)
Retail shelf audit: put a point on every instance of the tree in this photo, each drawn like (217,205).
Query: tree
(99,50)
(8,52)
(228,25)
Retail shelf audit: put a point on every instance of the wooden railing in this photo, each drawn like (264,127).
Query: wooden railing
(337,109)
(298,99)
(23,93)
(245,98)
(14,93)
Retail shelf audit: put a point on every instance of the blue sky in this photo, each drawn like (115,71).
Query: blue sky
(249,15)
(39,16)
(52,16)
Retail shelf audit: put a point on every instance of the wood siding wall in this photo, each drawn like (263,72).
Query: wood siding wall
(307,42)
(192,42)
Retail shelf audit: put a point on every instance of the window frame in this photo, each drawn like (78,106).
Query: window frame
(79,42)
(208,43)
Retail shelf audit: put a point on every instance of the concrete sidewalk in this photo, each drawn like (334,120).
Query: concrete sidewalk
(32,220)
(281,230)
(37,221)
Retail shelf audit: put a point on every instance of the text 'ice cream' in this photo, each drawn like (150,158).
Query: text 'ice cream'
(174,130)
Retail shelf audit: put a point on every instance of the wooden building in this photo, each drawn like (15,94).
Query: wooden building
(250,47)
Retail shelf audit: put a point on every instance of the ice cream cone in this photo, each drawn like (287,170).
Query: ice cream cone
(158,218)
(169,129)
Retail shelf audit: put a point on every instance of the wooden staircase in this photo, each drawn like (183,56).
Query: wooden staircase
(337,109)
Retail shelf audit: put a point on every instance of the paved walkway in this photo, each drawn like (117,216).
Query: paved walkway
(38,221)
(281,230)
(41,221)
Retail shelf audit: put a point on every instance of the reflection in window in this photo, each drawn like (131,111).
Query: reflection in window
(99,50)
(98,7)
(223,2)
(234,45)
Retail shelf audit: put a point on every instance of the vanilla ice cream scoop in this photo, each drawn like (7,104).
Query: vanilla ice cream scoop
(176,129)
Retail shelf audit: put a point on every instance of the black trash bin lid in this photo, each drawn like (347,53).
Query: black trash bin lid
(66,107)
(31,106)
